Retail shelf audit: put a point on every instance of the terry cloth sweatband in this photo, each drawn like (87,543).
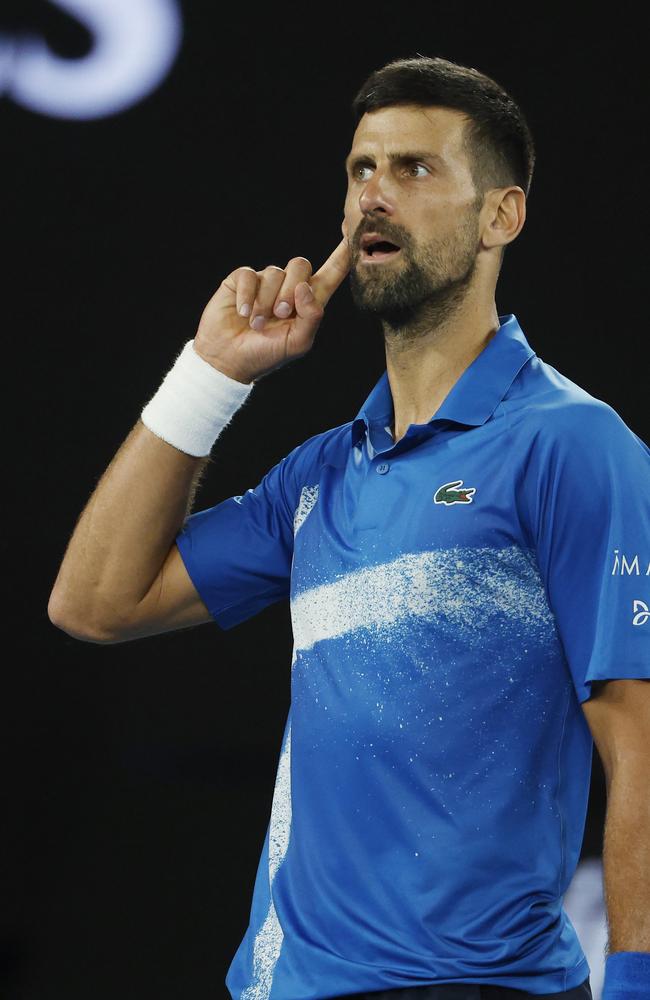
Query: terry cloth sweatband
(193,404)
(627,976)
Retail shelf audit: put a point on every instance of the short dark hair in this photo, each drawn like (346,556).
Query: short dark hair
(498,141)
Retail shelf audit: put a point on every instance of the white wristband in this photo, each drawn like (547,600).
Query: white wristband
(193,404)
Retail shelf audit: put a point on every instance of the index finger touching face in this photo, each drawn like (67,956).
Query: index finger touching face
(330,275)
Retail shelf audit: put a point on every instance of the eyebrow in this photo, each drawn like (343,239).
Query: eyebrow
(355,159)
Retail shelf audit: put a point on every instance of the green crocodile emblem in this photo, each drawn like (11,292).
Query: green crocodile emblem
(450,494)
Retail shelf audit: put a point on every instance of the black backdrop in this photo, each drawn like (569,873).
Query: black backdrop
(138,777)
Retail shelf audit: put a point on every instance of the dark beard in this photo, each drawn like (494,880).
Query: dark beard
(412,297)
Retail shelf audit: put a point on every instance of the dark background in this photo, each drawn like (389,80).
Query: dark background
(139,776)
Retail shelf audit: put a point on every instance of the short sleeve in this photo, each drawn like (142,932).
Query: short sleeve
(238,553)
(588,491)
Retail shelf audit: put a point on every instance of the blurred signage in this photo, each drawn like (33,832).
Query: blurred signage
(134,45)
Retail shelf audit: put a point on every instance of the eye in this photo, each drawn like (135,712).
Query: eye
(409,167)
(415,166)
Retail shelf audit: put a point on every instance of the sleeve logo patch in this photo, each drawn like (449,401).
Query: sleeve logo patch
(449,494)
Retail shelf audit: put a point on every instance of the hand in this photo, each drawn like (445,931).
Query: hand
(229,342)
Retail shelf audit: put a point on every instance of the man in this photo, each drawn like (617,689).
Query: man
(468,568)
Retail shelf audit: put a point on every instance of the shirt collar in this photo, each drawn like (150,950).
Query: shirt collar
(477,392)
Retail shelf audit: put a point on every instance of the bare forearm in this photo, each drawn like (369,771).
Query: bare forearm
(123,535)
(626,861)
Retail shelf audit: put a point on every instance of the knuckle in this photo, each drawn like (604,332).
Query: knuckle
(300,260)
(273,267)
(245,280)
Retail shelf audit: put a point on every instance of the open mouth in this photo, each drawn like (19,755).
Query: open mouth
(379,250)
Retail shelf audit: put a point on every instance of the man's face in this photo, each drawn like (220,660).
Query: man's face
(409,181)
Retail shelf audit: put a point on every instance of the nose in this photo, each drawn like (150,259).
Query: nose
(375,195)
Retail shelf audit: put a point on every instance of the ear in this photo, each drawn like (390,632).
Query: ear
(507,208)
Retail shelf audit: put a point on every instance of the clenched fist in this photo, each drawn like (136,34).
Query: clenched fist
(258,321)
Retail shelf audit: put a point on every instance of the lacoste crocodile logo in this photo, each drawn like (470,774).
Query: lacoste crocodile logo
(448,493)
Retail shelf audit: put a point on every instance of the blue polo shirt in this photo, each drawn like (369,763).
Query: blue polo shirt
(453,597)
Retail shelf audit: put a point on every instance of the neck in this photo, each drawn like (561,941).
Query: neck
(426,359)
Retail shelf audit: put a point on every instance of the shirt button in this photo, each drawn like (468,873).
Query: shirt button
(382,468)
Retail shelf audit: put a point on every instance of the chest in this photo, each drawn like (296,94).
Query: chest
(452,493)
(429,535)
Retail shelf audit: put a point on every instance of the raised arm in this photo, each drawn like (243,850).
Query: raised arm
(122,576)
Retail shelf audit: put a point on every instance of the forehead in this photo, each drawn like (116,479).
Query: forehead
(440,130)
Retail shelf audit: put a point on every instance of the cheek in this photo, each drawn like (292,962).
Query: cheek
(351,203)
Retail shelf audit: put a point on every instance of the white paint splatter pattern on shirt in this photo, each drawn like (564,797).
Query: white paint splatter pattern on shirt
(269,938)
(464,586)
(308,497)
(467,586)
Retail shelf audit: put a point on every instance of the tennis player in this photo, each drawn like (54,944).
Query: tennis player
(467,562)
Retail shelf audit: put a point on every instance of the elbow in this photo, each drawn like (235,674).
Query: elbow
(85,631)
